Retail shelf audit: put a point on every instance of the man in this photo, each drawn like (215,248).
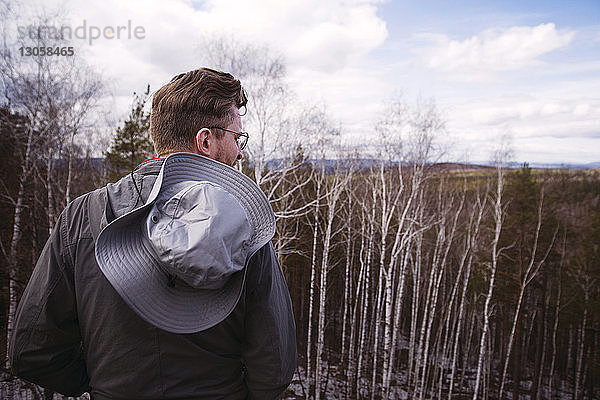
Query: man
(165,285)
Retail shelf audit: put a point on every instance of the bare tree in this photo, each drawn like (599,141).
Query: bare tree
(278,126)
(408,134)
(335,187)
(588,285)
(313,273)
(55,96)
(531,271)
(356,357)
(466,263)
(501,156)
(556,312)
(348,268)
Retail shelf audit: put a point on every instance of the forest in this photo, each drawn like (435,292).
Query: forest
(410,278)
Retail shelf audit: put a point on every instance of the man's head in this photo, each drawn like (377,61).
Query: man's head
(184,108)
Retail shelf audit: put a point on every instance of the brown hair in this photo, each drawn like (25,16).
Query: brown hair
(191,101)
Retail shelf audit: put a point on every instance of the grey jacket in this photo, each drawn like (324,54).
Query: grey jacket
(74,334)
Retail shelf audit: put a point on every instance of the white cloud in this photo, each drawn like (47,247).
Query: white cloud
(533,117)
(323,35)
(507,110)
(494,50)
(581,110)
(578,150)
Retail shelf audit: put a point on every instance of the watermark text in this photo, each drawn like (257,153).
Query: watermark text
(90,33)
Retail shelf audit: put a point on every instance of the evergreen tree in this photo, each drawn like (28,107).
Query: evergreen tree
(131,143)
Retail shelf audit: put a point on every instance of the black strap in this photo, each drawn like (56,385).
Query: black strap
(99,211)
(137,190)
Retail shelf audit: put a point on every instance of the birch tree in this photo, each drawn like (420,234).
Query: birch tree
(466,263)
(269,115)
(313,273)
(366,259)
(349,295)
(24,87)
(55,105)
(557,306)
(448,210)
(277,125)
(586,274)
(407,136)
(529,274)
(337,185)
(498,213)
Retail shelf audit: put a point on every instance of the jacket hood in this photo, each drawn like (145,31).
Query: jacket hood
(133,189)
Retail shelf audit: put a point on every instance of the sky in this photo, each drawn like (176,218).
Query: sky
(529,70)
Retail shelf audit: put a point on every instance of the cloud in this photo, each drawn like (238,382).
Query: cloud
(323,35)
(558,150)
(523,110)
(494,50)
(529,118)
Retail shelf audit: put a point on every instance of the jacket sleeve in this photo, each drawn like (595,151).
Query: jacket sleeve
(45,346)
(270,333)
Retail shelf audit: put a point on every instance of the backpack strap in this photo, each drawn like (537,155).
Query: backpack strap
(100,212)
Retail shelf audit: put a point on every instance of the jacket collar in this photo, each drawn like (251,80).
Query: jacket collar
(149,167)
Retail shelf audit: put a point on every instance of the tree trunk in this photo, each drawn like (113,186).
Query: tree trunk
(514,337)
(392,322)
(488,300)
(581,348)
(347,282)
(421,361)
(524,279)
(397,313)
(50,192)
(377,319)
(321,313)
(311,295)
(542,343)
(414,317)
(387,331)
(332,198)
(70,170)
(13,265)
(384,284)
(570,367)
(364,324)
(467,350)
(554,331)
(516,363)
(442,249)
(358,300)
(470,243)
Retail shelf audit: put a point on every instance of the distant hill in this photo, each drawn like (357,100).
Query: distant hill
(367,163)
(536,165)
(449,166)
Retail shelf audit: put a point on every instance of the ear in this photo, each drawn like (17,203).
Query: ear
(204,143)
